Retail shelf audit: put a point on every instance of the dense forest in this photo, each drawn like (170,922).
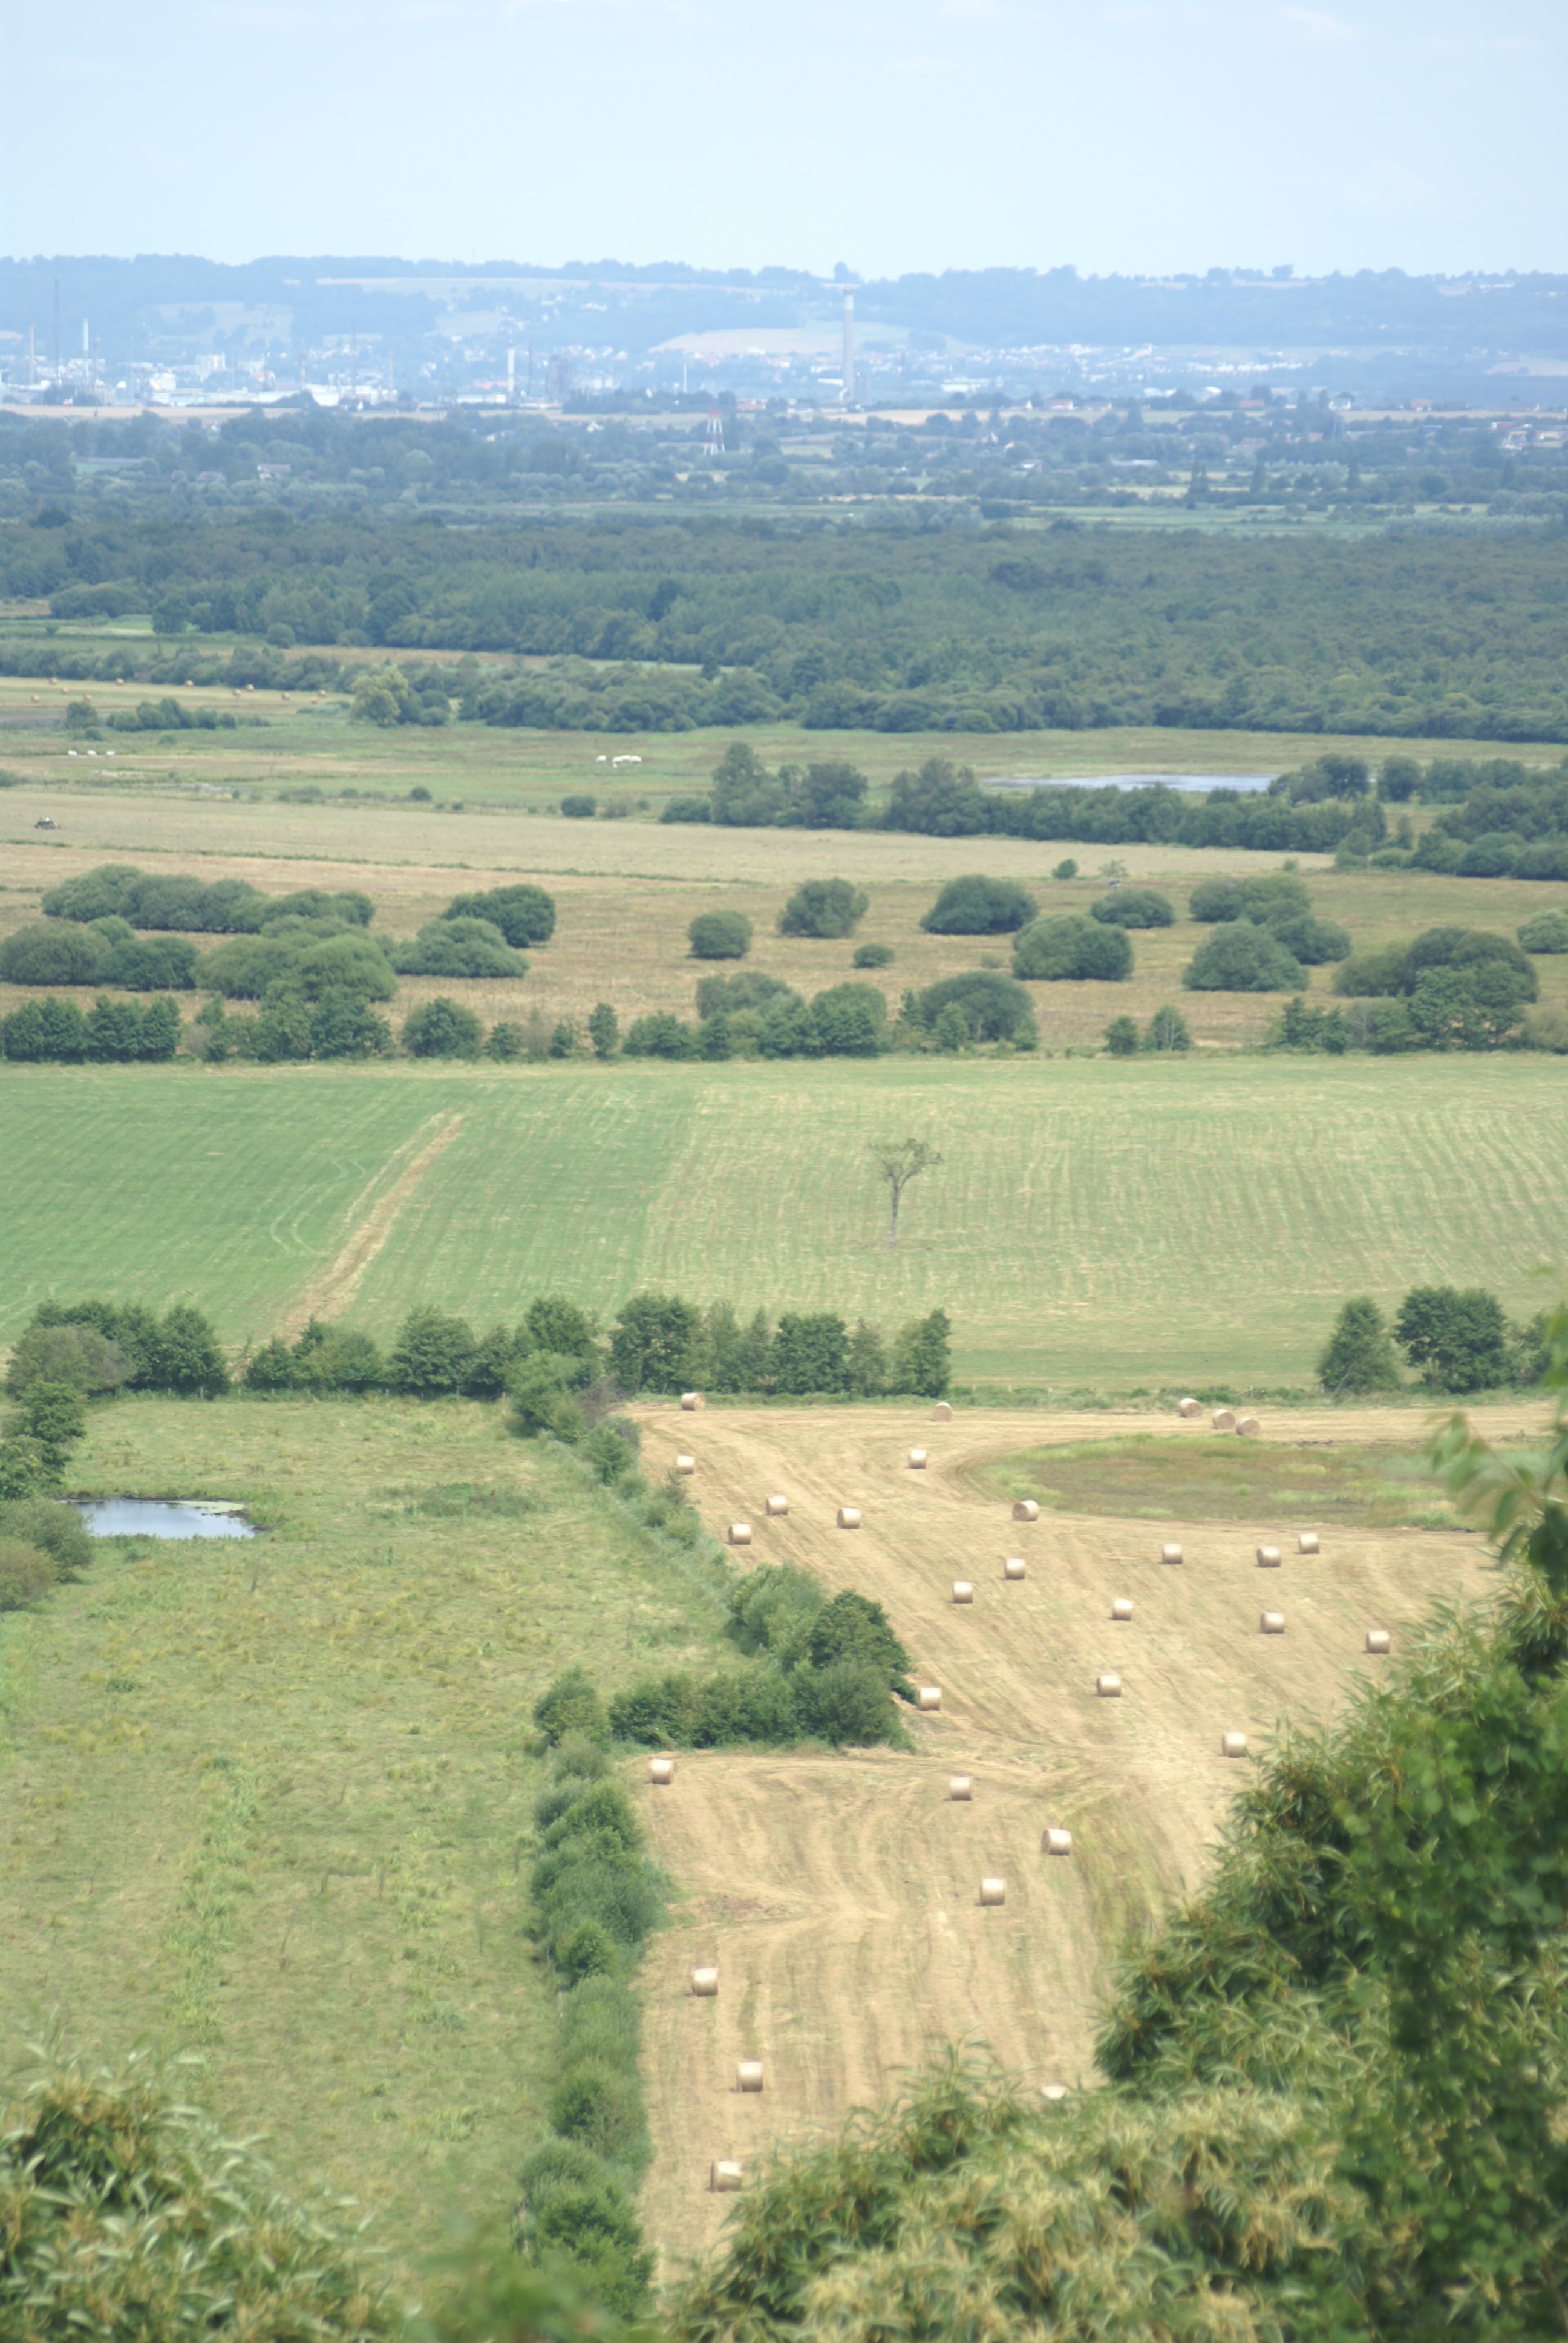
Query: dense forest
(899,619)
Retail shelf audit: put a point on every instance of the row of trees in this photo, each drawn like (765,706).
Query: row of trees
(1456,1339)
(658,1342)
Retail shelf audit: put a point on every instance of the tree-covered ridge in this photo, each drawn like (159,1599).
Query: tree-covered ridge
(665,623)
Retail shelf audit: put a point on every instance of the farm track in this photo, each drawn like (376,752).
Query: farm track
(334,1290)
(837,1894)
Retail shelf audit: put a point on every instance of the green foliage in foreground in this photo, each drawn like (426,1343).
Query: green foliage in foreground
(127,2217)
(1336,2076)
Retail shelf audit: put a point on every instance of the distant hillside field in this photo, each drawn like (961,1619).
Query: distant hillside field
(1094,1221)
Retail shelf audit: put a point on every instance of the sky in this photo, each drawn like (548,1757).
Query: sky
(1152,137)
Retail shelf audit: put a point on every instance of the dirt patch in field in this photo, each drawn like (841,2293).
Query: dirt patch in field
(837,1895)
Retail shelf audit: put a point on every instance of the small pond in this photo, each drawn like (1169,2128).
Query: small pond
(162,1517)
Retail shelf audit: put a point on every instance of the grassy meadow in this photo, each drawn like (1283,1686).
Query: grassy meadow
(269,1801)
(310,743)
(1096,1221)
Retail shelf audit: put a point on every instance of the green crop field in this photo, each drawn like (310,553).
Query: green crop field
(1095,1222)
(271,1801)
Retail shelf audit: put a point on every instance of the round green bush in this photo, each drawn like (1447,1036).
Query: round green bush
(440,1029)
(467,947)
(1546,933)
(524,914)
(579,805)
(824,906)
(873,956)
(1121,1037)
(1070,948)
(1133,907)
(57,952)
(1243,958)
(994,1008)
(979,905)
(719,935)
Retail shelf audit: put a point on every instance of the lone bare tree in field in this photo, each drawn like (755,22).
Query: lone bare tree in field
(899,1161)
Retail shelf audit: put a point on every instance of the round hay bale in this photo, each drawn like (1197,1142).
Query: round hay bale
(1108,1687)
(1232,1744)
(959,1789)
(1026,1510)
(917,1460)
(685,1464)
(777,1508)
(963,1591)
(1056,1842)
(1306,1541)
(848,1517)
(993,1890)
(661,1770)
(692,1401)
(941,1412)
(739,1532)
(704,1984)
(1268,1557)
(1378,1641)
(1190,1409)
(1123,1607)
(723,2175)
(1248,1427)
(1171,1553)
(1223,1419)
(928,1699)
(1271,1623)
(1015,1566)
(748,2074)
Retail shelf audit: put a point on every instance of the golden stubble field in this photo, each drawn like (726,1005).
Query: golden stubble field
(838,1894)
(626,892)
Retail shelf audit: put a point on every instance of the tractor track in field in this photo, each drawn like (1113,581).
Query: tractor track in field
(330,1293)
(837,1892)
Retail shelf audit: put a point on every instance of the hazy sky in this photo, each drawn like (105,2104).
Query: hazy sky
(1425,133)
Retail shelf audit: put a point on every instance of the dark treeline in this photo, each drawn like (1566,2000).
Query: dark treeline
(899,623)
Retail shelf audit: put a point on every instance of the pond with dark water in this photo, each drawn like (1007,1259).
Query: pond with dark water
(162,1517)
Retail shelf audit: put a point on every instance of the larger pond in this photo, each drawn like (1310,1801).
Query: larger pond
(162,1517)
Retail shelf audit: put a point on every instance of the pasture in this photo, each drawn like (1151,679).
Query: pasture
(1121,1224)
(270,1801)
(626,892)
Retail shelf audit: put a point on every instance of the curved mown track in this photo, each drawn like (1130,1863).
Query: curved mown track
(837,1895)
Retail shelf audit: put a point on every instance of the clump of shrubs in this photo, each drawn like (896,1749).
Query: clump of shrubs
(824,907)
(979,905)
(1134,907)
(1069,948)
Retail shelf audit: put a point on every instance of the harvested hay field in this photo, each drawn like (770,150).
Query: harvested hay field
(839,1895)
